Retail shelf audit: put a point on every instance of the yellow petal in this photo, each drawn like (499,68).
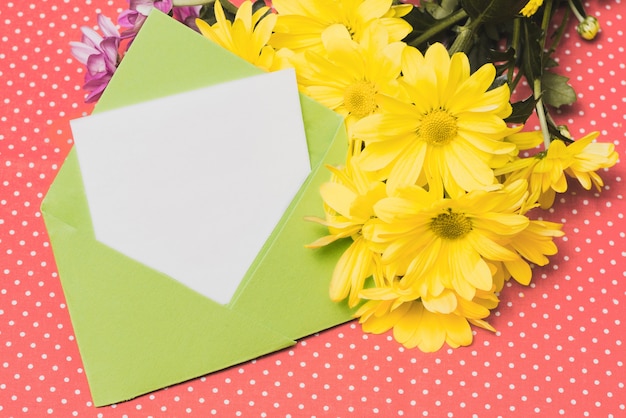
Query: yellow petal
(458,331)
(430,333)
(349,275)
(489,249)
(373,9)
(520,271)
(445,303)
(338,197)
(404,330)
(501,223)
(408,166)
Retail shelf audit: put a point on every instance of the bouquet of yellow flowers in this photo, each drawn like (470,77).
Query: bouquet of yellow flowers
(440,184)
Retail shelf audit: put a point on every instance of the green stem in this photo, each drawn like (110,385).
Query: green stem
(541,113)
(513,84)
(440,26)
(515,43)
(465,38)
(575,10)
(537,89)
(558,35)
(545,22)
(462,42)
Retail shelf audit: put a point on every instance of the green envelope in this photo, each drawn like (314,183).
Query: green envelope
(139,330)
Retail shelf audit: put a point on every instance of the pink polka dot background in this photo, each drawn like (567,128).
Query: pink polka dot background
(559,348)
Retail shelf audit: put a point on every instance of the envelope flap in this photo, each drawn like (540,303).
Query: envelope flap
(286,288)
(67,203)
(146,73)
(322,126)
(137,329)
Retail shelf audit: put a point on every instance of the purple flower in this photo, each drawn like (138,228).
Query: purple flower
(137,13)
(187,15)
(100,54)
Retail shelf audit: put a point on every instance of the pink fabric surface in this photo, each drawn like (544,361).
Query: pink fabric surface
(559,348)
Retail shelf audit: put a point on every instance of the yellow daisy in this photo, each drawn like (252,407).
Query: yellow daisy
(589,157)
(349,201)
(440,245)
(534,243)
(531,8)
(415,326)
(350,77)
(247,36)
(449,132)
(301,22)
(546,171)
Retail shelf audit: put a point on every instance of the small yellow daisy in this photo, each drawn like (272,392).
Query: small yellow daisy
(247,36)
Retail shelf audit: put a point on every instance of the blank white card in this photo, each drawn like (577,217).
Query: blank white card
(193,184)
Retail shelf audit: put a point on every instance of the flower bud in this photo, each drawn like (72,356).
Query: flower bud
(588,28)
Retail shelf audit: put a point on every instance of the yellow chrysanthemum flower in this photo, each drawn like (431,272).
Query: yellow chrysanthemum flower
(301,22)
(448,133)
(439,245)
(247,36)
(534,243)
(416,326)
(531,8)
(546,171)
(349,201)
(589,157)
(350,77)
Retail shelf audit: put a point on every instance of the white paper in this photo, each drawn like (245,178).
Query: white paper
(192,185)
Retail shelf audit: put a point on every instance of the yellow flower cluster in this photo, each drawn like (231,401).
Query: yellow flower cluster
(546,172)
(433,195)
(247,36)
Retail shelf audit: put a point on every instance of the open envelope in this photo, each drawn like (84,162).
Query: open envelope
(139,330)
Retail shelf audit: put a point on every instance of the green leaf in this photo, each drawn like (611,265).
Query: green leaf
(428,29)
(504,61)
(532,51)
(550,63)
(555,132)
(498,81)
(492,10)
(556,90)
(480,52)
(207,14)
(522,110)
(207,11)
(420,19)
(502,56)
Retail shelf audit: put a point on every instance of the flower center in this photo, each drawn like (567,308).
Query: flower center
(360,98)
(438,127)
(451,225)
